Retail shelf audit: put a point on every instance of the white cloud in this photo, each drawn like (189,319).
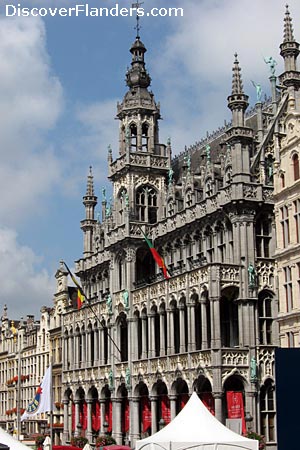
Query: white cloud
(24,288)
(196,59)
(31,101)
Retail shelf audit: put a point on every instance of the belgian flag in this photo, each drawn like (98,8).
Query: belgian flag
(158,259)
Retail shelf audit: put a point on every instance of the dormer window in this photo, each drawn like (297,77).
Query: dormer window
(296,166)
(146,204)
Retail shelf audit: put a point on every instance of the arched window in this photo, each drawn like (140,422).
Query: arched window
(122,201)
(267,410)
(296,166)
(263,237)
(265,318)
(133,137)
(229,318)
(123,336)
(145,137)
(209,244)
(171,207)
(221,242)
(282,181)
(209,188)
(228,175)
(188,198)
(146,204)
(269,169)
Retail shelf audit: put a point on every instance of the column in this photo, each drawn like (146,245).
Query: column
(83,350)
(89,433)
(182,348)
(173,406)
(151,336)
(162,350)
(191,328)
(144,337)
(102,415)
(170,321)
(153,401)
(204,337)
(66,435)
(215,322)
(117,433)
(77,429)
(96,347)
(134,421)
(218,406)
(88,348)
(101,346)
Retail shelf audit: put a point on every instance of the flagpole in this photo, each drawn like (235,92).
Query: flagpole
(91,308)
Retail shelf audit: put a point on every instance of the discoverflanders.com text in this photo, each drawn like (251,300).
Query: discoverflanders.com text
(85,10)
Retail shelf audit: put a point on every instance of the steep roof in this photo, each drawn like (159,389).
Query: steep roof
(196,426)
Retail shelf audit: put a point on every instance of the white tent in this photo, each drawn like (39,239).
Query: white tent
(7,439)
(196,428)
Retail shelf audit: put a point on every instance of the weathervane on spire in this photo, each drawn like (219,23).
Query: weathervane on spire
(137,27)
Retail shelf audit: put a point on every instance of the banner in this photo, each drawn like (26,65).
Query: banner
(235,407)
(42,399)
(208,401)
(125,416)
(96,420)
(108,414)
(183,400)
(146,414)
(165,409)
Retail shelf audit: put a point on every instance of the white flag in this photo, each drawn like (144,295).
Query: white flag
(42,399)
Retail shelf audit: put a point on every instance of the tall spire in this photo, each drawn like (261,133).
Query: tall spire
(90,200)
(237,84)
(288,35)
(87,225)
(289,50)
(90,184)
(237,101)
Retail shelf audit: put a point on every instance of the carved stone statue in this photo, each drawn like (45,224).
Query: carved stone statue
(127,377)
(126,298)
(271,63)
(170,175)
(109,304)
(258,91)
(110,380)
(103,195)
(187,160)
(207,149)
(253,369)
(251,275)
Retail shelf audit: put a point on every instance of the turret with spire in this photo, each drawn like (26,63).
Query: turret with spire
(289,50)
(138,112)
(239,137)
(87,225)
(237,101)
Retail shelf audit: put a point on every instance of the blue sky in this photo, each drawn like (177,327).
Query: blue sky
(60,79)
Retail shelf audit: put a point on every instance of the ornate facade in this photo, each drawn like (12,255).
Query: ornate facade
(143,343)
(24,357)
(287,194)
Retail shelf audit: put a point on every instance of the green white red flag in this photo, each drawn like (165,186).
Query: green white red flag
(158,259)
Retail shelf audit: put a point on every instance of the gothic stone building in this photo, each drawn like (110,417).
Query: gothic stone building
(132,358)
